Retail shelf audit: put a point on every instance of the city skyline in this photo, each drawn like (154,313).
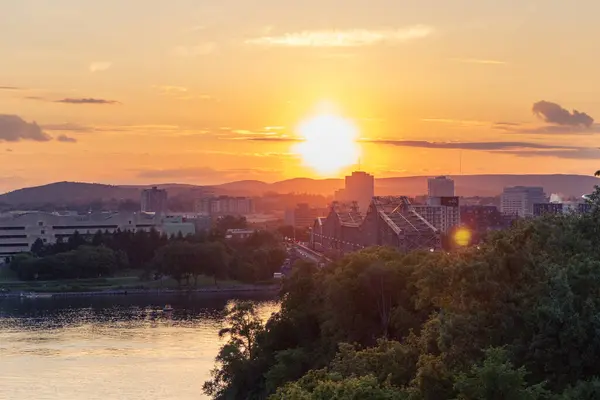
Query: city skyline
(205,93)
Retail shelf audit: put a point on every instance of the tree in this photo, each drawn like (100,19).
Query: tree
(177,260)
(244,328)
(75,240)
(215,259)
(38,247)
(230,222)
(497,379)
(321,386)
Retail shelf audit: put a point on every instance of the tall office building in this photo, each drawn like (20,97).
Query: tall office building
(360,187)
(440,186)
(519,200)
(154,200)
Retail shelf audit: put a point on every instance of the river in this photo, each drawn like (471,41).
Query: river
(111,348)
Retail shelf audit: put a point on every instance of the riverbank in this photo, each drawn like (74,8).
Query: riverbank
(270,288)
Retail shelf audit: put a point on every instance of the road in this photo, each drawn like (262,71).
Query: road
(308,254)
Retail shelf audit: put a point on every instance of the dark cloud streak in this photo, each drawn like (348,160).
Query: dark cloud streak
(66,139)
(519,149)
(274,139)
(86,101)
(486,146)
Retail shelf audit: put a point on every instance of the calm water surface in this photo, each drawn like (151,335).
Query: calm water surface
(111,348)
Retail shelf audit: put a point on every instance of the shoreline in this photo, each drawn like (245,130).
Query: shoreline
(133,292)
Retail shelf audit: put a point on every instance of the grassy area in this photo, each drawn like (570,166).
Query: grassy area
(130,281)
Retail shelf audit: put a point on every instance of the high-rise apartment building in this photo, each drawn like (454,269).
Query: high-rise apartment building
(441,212)
(360,187)
(154,200)
(303,216)
(224,205)
(440,186)
(519,200)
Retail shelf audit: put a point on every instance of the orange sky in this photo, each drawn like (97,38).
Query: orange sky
(153,91)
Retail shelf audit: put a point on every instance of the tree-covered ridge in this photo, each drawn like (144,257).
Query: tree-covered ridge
(516,318)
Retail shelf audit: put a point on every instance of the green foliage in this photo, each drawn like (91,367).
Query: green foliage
(84,262)
(236,354)
(184,259)
(515,318)
(497,379)
(319,386)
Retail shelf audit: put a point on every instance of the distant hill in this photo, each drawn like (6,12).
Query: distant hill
(466,185)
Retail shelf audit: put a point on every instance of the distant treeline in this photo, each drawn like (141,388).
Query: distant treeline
(182,258)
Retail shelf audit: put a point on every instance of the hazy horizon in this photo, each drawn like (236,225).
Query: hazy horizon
(204,92)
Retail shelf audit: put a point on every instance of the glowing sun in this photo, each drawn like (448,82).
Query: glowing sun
(328,143)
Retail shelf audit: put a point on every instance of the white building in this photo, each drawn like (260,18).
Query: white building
(239,234)
(440,186)
(19,230)
(519,200)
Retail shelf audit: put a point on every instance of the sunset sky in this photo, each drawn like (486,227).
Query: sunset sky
(198,91)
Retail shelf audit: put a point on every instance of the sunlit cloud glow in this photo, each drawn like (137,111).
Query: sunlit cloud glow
(344,38)
(98,66)
(480,61)
(194,51)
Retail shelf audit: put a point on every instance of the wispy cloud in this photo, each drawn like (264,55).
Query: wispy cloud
(533,129)
(98,66)
(479,61)
(490,146)
(86,101)
(168,89)
(274,139)
(520,149)
(459,122)
(181,93)
(66,139)
(68,126)
(204,174)
(344,38)
(202,49)
(10,88)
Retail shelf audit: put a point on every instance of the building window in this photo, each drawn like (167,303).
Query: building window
(40,223)
(45,240)
(43,232)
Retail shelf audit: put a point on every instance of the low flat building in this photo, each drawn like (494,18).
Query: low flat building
(541,209)
(18,231)
(239,234)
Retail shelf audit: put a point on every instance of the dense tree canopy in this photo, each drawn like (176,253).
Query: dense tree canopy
(517,317)
(185,259)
